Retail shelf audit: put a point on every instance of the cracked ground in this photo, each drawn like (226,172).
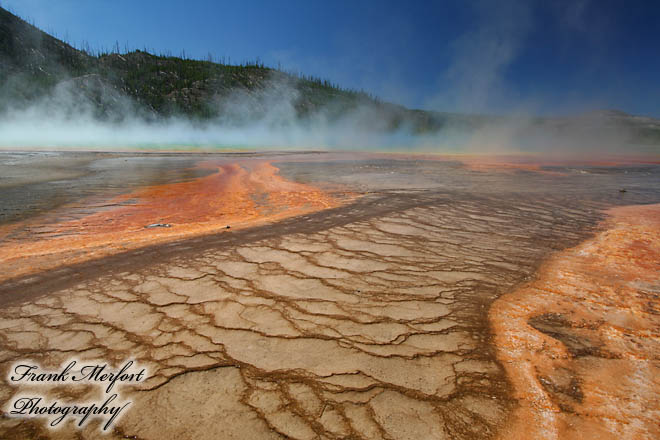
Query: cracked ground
(365,321)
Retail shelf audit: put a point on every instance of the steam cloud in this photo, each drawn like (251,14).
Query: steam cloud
(267,117)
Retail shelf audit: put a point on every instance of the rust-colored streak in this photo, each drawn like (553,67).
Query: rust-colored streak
(537,163)
(580,344)
(237,195)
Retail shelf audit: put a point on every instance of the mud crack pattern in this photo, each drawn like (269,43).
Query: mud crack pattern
(375,327)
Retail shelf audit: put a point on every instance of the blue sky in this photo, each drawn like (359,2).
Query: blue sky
(558,57)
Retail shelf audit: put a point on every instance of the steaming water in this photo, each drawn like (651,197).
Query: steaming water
(35,182)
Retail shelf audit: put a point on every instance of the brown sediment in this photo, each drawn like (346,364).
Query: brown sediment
(537,163)
(484,164)
(237,194)
(528,162)
(364,321)
(581,343)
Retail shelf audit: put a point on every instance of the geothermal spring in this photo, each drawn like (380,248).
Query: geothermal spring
(320,295)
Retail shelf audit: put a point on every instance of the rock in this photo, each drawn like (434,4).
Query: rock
(159,225)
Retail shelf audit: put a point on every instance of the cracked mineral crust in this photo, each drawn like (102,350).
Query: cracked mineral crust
(368,320)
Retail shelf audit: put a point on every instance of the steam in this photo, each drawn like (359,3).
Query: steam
(473,80)
(268,119)
(87,113)
(265,118)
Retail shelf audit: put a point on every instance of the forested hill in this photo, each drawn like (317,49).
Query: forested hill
(33,64)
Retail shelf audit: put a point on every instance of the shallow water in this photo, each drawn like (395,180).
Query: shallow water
(32,183)
(35,182)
